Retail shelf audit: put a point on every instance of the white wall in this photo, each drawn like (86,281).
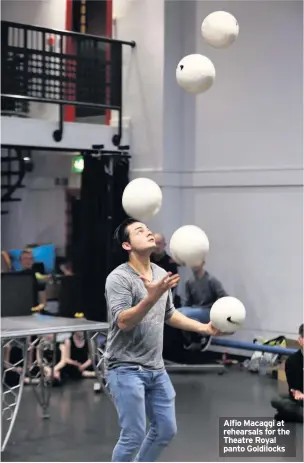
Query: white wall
(38,218)
(256,103)
(44,13)
(245,180)
(230,160)
(41,215)
(143,79)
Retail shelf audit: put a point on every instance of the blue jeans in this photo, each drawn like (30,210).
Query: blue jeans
(139,393)
(200,314)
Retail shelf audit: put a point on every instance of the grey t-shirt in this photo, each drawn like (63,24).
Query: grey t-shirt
(143,345)
(203,291)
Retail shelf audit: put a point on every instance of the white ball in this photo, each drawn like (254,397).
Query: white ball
(142,199)
(220,29)
(228,314)
(189,246)
(195,73)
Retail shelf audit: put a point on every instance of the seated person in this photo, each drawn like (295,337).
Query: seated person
(71,359)
(202,291)
(290,407)
(163,260)
(160,257)
(27,263)
(46,357)
(79,364)
(37,268)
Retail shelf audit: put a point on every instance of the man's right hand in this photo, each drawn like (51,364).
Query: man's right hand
(156,289)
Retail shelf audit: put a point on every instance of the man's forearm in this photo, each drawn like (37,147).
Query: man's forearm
(180,321)
(129,318)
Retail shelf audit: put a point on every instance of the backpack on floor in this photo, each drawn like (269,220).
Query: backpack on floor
(261,360)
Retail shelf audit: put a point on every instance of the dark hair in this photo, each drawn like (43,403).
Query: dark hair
(301,330)
(121,233)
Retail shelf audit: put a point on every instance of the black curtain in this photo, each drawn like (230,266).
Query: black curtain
(103,182)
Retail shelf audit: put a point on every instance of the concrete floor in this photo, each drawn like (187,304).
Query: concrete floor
(83,425)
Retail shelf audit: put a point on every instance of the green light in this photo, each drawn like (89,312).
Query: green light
(78,164)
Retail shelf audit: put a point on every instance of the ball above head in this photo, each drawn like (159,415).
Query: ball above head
(189,246)
(220,29)
(142,199)
(195,73)
(228,314)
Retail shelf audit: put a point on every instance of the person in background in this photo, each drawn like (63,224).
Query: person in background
(202,290)
(160,256)
(290,408)
(163,260)
(27,263)
(46,356)
(79,365)
(26,259)
(71,357)
(37,269)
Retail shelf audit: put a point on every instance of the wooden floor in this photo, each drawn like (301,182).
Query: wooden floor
(83,426)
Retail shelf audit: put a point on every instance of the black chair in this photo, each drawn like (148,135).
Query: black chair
(18,294)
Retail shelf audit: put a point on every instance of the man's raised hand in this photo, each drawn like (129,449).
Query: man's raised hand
(157,288)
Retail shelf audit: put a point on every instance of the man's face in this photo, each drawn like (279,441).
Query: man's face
(160,244)
(301,341)
(140,237)
(26,260)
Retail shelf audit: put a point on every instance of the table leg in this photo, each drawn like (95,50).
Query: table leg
(97,356)
(11,393)
(43,388)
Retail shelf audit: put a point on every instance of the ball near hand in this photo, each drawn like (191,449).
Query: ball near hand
(228,314)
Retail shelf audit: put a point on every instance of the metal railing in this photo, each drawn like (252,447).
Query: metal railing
(43,65)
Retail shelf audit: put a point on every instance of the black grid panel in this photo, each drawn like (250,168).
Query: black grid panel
(59,67)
